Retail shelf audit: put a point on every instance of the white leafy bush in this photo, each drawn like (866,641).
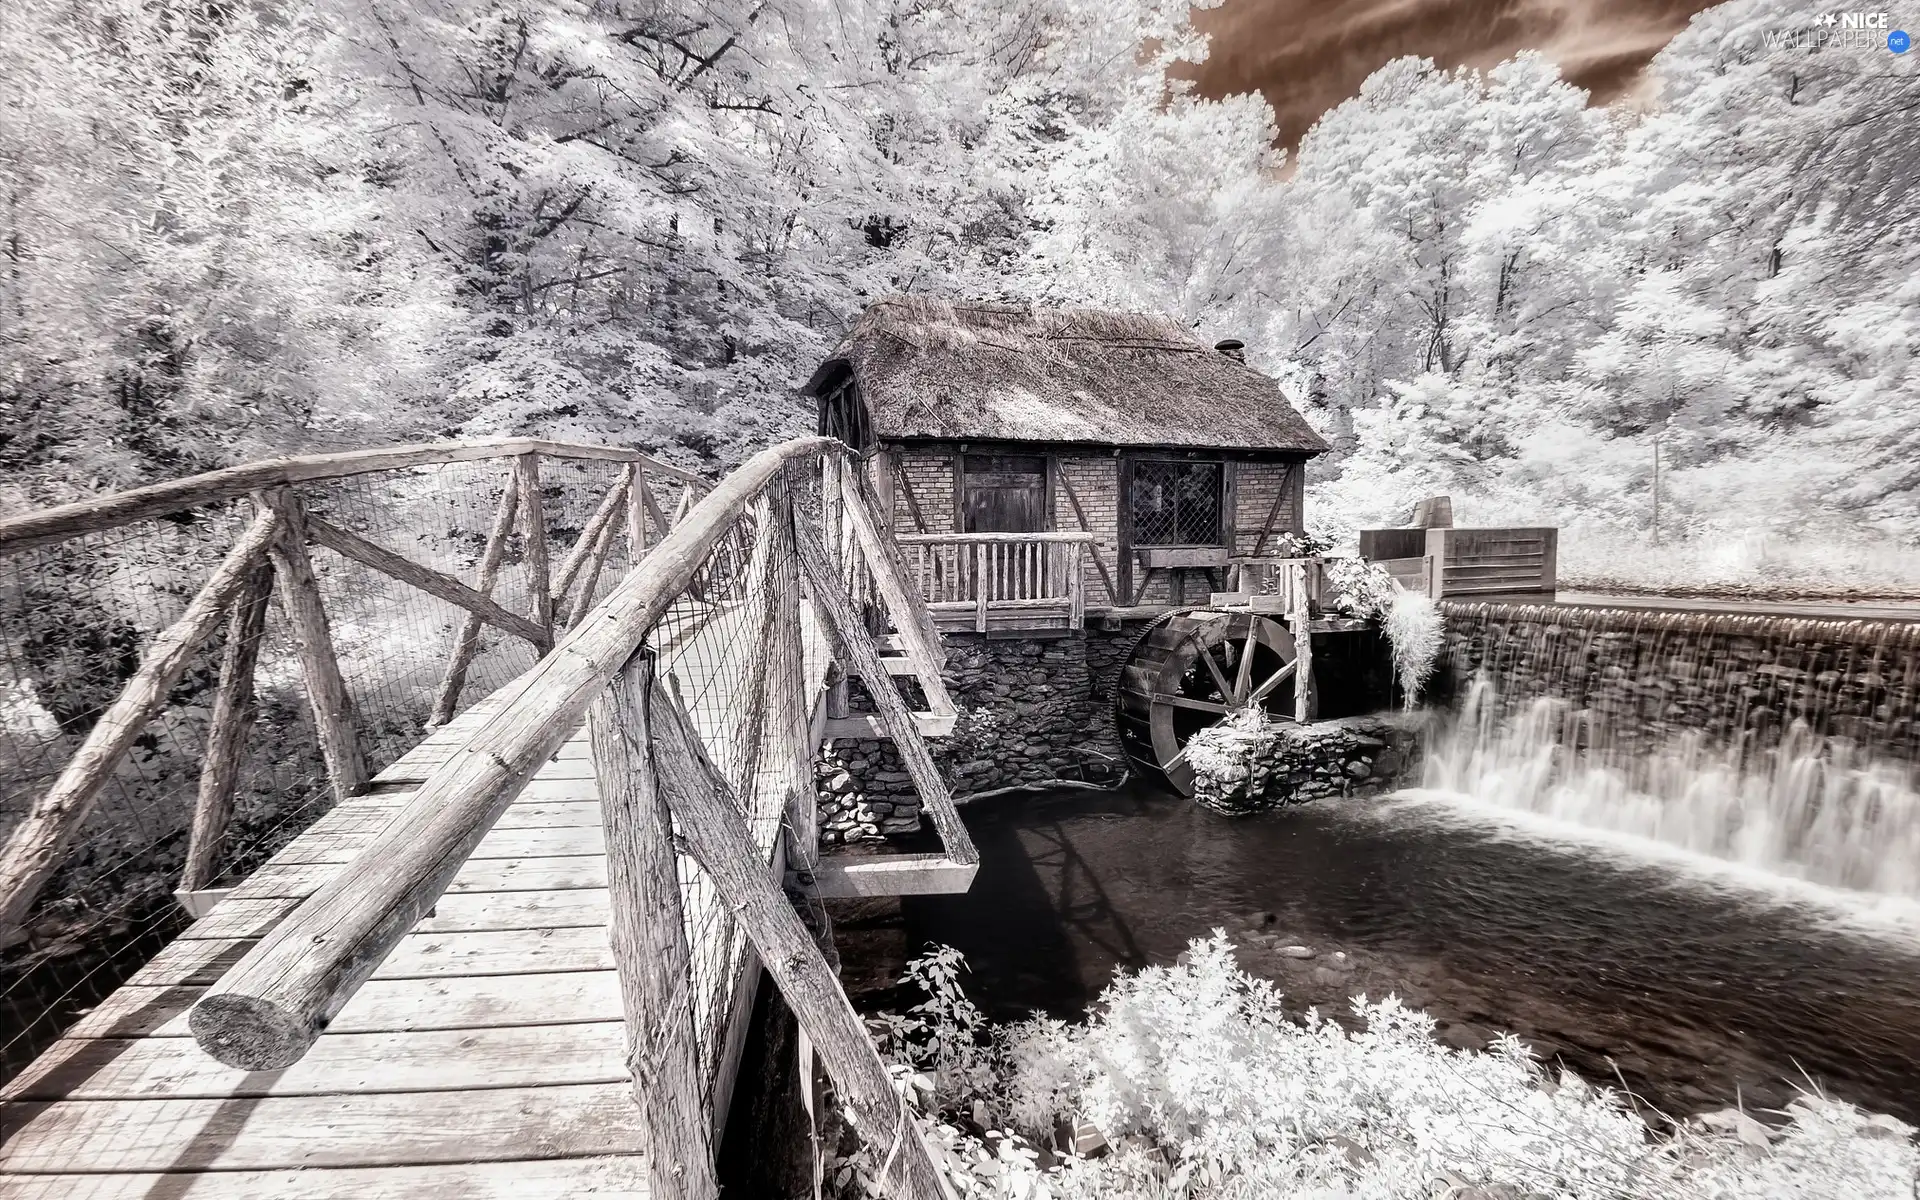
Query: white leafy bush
(1410,620)
(1199,1086)
(1236,740)
(1416,631)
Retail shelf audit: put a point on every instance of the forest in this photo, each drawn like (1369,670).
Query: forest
(234,230)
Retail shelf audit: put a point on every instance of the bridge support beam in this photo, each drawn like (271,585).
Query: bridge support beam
(717,835)
(313,642)
(648,932)
(233,713)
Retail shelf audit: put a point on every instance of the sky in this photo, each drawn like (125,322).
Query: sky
(1309,55)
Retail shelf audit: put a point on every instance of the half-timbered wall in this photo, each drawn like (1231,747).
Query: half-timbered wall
(1094,482)
(923,492)
(1253,489)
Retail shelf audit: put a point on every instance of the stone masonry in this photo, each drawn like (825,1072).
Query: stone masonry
(1644,677)
(1032,711)
(1291,764)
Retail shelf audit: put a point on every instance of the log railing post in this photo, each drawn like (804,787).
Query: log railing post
(786,758)
(765,615)
(589,550)
(830,507)
(534,525)
(467,641)
(649,938)
(1299,618)
(233,712)
(313,641)
(636,513)
(34,848)
(661,526)
(717,835)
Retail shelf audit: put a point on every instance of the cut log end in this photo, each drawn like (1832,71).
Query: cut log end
(249,1033)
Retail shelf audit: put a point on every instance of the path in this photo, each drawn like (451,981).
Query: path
(484,1058)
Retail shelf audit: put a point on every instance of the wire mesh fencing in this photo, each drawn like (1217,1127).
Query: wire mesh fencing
(77,617)
(737,652)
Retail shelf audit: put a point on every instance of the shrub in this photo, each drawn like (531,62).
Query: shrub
(1199,1086)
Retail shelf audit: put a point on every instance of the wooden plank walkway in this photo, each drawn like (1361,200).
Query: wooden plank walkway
(484,1058)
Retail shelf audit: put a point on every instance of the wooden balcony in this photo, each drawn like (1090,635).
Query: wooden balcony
(1001,582)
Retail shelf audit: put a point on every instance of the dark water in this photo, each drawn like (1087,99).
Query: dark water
(1696,986)
(41,996)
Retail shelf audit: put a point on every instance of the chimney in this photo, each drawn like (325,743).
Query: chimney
(1233,348)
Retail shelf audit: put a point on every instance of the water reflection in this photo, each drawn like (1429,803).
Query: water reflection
(1693,987)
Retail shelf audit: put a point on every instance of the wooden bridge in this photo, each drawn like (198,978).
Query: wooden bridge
(515,960)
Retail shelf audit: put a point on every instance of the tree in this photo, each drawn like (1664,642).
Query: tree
(191,269)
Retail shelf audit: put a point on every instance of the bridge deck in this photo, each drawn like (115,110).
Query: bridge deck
(484,1058)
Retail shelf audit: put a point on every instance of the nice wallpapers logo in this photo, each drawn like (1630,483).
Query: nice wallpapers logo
(1842,31)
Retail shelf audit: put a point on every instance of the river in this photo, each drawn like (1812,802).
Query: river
(1697,982)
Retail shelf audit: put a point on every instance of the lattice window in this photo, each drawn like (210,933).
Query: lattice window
(1176,503)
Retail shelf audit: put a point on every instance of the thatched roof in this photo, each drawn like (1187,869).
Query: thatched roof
(932,369)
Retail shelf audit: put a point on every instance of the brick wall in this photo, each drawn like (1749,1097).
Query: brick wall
(931,478)
(1255,485)
(1095,482)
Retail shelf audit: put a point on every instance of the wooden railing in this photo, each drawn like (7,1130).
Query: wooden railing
(1000,580)
(660,790)
(272,555)
(1468,562)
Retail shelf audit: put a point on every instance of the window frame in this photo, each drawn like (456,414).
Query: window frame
(1132,516)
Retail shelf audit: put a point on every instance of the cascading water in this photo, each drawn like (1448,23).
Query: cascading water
(1786,748)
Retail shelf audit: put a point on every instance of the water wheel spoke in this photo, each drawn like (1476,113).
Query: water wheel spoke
(1244,677)
(1205,706)
(1162,698)
(1213,668)
(1273,681)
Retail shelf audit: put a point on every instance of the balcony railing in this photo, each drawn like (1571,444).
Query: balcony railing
(1001,581)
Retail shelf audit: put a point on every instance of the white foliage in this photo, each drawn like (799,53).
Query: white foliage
(1235,741)
(1202,1087)
(1417,633)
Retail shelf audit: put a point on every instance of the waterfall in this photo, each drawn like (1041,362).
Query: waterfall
(1822,807)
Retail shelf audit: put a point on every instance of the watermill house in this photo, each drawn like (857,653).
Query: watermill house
(997,434)
(1071,490)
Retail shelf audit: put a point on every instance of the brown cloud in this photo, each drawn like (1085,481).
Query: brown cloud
(1308,55)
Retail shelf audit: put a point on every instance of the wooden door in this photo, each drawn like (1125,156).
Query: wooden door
(1003,493)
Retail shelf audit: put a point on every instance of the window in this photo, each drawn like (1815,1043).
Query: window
(1175,503)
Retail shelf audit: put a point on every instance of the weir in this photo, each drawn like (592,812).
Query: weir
(1780,743)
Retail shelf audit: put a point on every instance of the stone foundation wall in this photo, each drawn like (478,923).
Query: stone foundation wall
(1032,711)
(1644,677)
(1292,764)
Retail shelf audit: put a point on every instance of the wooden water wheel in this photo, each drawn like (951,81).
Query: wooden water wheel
(1188,671)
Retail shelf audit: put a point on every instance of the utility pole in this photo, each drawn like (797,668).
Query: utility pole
(1656,489)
